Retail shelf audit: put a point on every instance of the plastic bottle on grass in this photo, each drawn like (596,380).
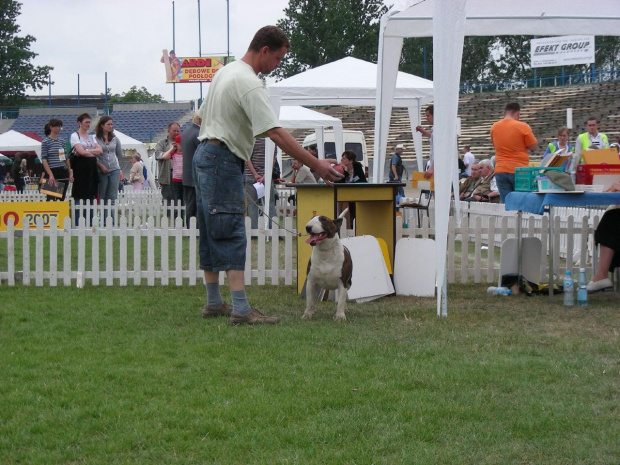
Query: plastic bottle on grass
(582,288)
(492,290)
(569,298)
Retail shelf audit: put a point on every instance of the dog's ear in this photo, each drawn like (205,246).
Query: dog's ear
(338,223)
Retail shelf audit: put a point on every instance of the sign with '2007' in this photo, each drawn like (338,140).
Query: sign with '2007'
(19,212)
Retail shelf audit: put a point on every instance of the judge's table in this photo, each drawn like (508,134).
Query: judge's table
(375,213)
(539,203)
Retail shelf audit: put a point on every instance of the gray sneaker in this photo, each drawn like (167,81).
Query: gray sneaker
(210,312)
(253,318)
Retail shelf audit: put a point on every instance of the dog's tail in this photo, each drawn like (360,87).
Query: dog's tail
(344,212)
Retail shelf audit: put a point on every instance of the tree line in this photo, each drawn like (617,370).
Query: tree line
(321,31)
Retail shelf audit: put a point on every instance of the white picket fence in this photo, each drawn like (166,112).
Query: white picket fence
(143,246)
(133,253)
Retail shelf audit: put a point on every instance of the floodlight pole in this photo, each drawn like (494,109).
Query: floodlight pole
(174,85)
(107,110)
(49,89)
(78,96)
(227,30)
(199,46)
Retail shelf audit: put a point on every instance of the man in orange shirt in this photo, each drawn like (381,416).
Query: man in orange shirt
(512,139)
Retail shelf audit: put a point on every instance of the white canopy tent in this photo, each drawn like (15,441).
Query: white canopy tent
(448,21)
(353,82)
(297,117)
(13,141)
(129,143)
(294,117)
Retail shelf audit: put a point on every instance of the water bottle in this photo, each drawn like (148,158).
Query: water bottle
(492,290)
(569,298)
(582,288)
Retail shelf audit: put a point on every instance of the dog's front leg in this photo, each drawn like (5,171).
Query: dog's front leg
(310,298)
(342,303)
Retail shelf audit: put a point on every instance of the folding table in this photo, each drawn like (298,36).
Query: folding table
(534,202)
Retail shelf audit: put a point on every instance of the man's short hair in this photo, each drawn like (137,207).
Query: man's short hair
(487,162)
(592,118)
(430,109)
(174,122)
(513,107)
(466,147)
(269,36)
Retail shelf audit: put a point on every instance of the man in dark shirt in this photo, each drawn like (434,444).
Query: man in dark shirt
(189,143)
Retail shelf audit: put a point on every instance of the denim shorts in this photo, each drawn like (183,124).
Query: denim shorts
(220,205)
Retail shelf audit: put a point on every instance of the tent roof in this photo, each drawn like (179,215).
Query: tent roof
(128,142)
(348,81)
(300,117)
(413,18)
(13,141)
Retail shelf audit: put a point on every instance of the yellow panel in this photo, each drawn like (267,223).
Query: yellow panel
(376,219)
(418,181)
(18,211)
(352,194)
(386,254)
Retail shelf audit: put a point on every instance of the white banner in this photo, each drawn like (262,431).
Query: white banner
(559,51)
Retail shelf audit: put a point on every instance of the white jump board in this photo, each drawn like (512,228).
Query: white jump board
(531,258)
(415,267)
(371,279)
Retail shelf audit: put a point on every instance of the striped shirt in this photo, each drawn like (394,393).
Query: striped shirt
(177,166)
(50,149)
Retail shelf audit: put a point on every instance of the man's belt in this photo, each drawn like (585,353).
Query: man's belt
(216,142)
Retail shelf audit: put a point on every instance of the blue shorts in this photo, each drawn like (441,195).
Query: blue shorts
(220,205)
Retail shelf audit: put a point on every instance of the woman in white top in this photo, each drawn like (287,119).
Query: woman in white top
(86,178)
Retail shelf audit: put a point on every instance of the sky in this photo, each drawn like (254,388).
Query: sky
(125,38)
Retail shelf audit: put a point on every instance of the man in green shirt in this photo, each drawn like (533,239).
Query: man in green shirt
(235,112)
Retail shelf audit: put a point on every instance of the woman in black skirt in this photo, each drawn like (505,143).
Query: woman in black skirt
(86,177)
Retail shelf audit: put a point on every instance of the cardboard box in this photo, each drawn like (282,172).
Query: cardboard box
(596,157)
(418,181)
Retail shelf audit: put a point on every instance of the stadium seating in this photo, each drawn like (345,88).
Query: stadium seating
(143,125)
(544,109)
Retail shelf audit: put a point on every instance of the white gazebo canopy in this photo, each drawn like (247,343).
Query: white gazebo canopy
(13,141)
(295,117)
(353,82)
(448,21)
(129,143)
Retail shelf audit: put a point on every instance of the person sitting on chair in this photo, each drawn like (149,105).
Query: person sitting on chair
(468,185)
(606,236)
(486,190)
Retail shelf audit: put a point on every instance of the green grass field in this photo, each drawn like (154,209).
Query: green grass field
(111,375)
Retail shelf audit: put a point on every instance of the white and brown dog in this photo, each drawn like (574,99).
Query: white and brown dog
(330,265)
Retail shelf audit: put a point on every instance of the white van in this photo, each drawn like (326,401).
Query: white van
(353,140)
